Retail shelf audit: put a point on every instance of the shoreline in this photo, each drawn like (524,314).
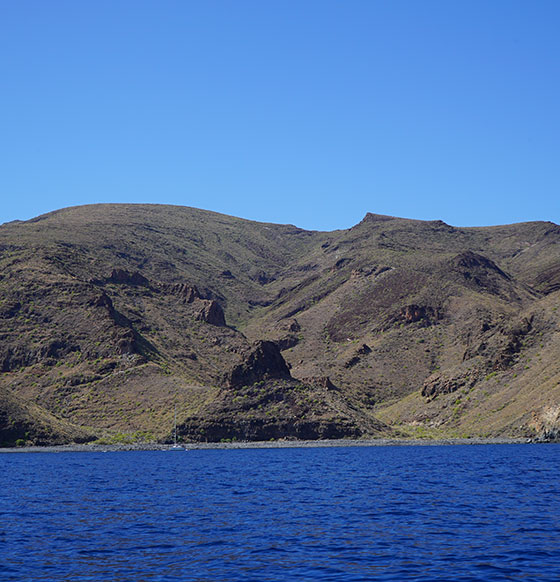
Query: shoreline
(382,442)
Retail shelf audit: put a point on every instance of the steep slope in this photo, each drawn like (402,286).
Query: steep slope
(22,422)
(394,310)
(113,315)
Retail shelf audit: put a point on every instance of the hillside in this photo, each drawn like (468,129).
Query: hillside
(113,315)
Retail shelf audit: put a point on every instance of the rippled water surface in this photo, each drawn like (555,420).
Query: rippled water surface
(346,514)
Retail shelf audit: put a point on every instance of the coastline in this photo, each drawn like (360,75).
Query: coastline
(281,444)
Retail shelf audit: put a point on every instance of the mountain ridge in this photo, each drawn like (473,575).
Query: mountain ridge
(110,315)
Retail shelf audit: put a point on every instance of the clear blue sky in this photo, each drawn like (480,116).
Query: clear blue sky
(289,111)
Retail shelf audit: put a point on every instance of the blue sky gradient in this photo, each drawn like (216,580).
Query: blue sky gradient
(304,112)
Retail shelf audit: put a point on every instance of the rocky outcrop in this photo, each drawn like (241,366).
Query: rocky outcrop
(479,271)
(263,360)
(123,277)
(207,310)
(546,423)
(126,342)
(103,300)
(513,343)
(356,355)
(371,218)
(16,356)
(125,339)
(469,261)
(501,347)
(290,325)
(259,429)
(482,275)
(363,350)
(19,355)
(341,263)
(261,277)
(211,312)
(187,293)
(548,281)
(438,384)
(415,313)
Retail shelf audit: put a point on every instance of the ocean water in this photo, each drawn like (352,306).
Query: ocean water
(470,512)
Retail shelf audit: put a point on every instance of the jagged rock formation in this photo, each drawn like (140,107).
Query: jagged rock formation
(123,277)
(262,361)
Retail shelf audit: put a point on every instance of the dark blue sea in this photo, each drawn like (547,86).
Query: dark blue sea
(489,512)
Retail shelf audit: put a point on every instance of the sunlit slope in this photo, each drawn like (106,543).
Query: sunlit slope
(113,315)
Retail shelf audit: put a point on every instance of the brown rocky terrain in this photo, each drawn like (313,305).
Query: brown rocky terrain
(112,316)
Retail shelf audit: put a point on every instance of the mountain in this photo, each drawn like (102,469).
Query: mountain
(112,315)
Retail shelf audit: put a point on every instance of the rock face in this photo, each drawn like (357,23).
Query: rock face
(13,357)
(438,384)
(548,280)
(263,360)
(188,293)
(103,300)
(479,271)
(266,430)
(211,313)
(414,313)
(123,277)
(473,261)
(207,310)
